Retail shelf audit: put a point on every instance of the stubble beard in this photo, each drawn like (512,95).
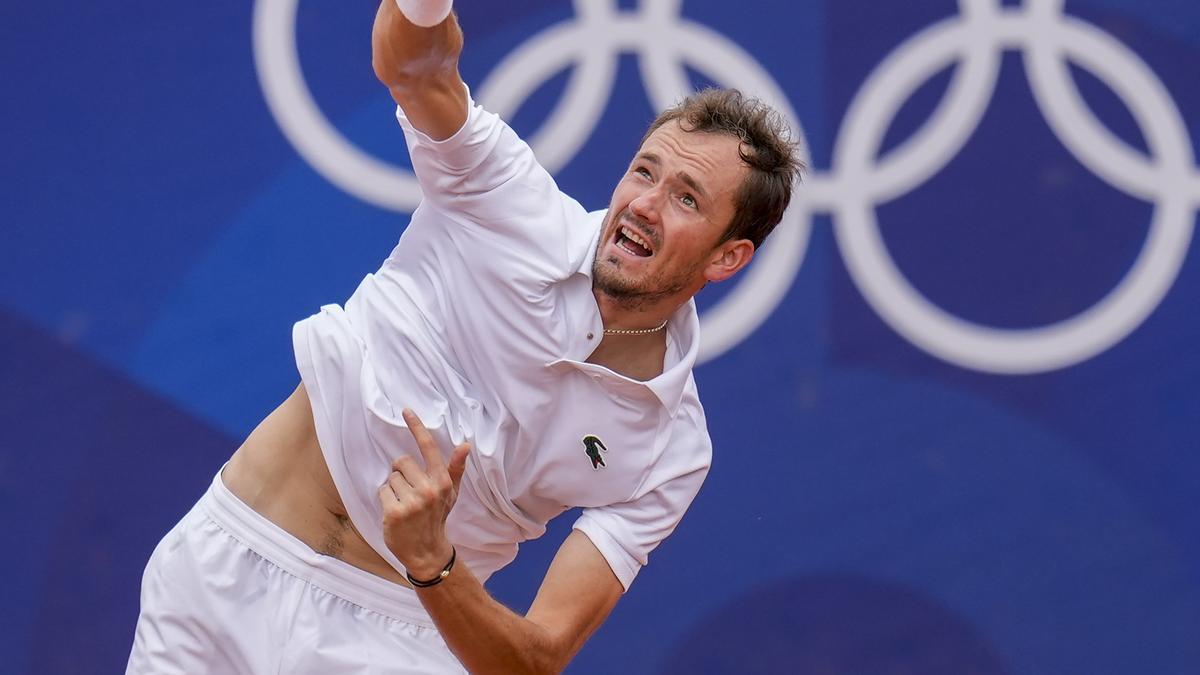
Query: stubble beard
(629,292)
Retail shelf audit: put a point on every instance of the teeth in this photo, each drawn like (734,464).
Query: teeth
(633,236)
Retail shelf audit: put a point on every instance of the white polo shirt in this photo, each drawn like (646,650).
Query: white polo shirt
(481,321)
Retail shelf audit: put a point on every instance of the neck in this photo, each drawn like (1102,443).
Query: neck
(618,315)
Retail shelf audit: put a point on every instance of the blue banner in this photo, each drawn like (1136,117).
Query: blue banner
(955,400)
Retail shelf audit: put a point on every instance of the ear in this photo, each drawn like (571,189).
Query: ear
(728,258)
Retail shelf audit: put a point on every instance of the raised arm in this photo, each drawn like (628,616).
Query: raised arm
(419,66)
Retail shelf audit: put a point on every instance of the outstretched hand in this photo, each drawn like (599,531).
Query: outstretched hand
(417,501)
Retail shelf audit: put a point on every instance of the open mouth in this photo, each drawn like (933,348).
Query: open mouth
(632,242)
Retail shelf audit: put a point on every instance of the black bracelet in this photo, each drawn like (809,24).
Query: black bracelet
(439,578)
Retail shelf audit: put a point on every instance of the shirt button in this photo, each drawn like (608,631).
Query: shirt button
(590,336)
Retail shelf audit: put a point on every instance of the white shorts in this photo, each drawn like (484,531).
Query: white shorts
(227,591)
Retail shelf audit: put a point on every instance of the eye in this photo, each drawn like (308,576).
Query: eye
(642,171)
(689,201)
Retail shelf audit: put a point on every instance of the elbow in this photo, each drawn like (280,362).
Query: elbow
(539,664)
(549,663)
(552,656)
(538,656)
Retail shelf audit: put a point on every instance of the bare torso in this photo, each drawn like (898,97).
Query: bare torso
(280,472)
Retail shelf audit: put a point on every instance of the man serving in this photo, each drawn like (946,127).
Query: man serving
(514,357)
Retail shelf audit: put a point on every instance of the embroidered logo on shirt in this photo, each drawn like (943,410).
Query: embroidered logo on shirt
(593,446)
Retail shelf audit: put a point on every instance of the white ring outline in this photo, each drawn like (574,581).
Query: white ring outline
(307,128)
(1064,343)
(591,43)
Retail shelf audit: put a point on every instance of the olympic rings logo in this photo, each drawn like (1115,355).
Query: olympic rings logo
(859,179)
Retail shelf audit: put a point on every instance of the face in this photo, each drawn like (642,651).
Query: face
(662,235)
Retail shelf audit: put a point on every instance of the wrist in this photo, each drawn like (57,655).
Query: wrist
(424,562)
(423,578)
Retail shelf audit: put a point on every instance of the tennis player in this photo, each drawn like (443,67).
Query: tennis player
(514,357)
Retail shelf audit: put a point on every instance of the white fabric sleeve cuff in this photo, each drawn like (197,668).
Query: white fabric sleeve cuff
(425,13)
(623,565)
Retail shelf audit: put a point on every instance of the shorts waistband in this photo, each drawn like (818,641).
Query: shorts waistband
(298,559)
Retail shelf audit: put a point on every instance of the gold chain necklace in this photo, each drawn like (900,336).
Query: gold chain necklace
(635,331)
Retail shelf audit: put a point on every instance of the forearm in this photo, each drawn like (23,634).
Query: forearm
(404,54)
(419,66)
(484,634)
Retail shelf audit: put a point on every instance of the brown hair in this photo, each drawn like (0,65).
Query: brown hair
(766,147)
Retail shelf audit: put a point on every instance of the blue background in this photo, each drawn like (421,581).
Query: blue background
(871,509)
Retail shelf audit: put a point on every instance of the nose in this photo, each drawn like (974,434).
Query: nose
(646,205)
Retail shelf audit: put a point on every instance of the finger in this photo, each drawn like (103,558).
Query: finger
(387,497)
(411,472)
(425,441)
(400,486)
(458,464)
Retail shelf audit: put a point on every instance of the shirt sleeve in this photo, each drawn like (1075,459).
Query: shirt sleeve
(626,533)
(485,180)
